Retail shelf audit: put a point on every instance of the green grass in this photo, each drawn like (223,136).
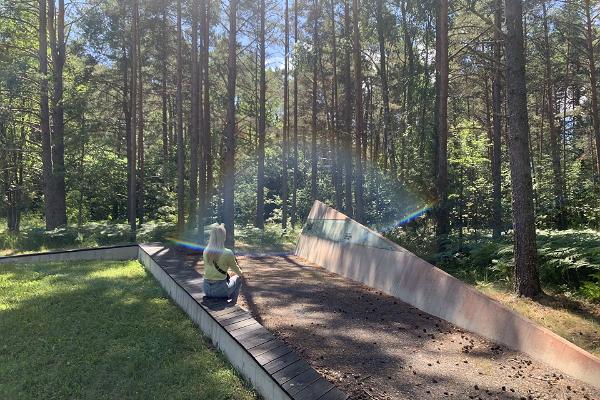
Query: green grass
(102,330)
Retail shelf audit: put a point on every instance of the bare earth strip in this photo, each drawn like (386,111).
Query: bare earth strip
(374,346)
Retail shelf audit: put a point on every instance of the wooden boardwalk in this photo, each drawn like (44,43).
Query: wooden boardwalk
(293,374)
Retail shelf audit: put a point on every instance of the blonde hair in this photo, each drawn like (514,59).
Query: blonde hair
(216,243)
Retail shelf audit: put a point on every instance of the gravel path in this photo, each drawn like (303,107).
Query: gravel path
(374,346)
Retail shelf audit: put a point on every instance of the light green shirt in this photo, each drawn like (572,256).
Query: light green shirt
(226,261)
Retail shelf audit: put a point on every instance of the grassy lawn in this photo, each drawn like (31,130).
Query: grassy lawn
(102,330)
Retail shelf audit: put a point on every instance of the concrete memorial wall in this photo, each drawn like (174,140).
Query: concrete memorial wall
(343,246)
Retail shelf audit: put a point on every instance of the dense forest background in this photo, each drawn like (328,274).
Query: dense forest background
(413,117)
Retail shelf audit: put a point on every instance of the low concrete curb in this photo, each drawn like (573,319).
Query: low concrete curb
(399,273)
(116,253)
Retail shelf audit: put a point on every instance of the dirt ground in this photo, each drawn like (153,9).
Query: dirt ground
(373,346)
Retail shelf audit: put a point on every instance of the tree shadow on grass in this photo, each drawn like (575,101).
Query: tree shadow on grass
(78,336)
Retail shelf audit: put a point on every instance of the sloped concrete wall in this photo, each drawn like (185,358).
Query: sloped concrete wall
(409,278)
(117,253)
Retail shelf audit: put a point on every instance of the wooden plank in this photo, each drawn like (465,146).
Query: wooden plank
(291,371)
(314,390)
(255,338)
(267,346)
(237,312)
(334,394)
(236,318)
(281,362)
(271,355)
(248,328)
(217,311)
(294,386)
(240,324)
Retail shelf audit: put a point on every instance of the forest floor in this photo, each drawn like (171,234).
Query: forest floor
(103,330)
(373,346)
(576,320)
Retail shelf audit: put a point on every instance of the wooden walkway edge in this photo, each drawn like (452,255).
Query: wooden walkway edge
(274,369)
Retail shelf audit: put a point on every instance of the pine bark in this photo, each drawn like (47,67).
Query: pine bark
(194,121)
(358,114)
(347,82)
(335,131)
(442,214)
(207,148)
(497,125)
(132,203)
(260,188)
(53,145)
(229,159)
(384,83)
(45,118)
(294,211)
(140,145)
(164,95)
(313,125)
(526,277)
(202,179)
(179,126)
(286,123)
(589,41)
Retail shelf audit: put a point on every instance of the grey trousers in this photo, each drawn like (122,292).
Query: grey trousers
(223,289)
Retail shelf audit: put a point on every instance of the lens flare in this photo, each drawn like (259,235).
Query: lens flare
(186,243)
(412,216)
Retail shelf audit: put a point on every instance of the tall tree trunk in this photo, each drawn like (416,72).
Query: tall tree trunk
(126,103)
(497,126)
(229,161)
(260,188)
(202,187)
(179,127)
(442,218)
(384,84)
(45,119)
(335,125)
(526,278)
(424,95)
(409,73)
(358,114)
(313,125)
(163,94)
(286,123)
(294,211)
(589,41)
(132,203)
(140,146)
(347,81)
(57,215)
(207,148)
(558,186)
(194,121)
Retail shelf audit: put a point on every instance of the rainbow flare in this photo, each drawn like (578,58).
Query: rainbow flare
(409,218)
(186,243)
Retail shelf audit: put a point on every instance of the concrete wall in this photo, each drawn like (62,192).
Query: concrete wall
(126,252)
(401,274)
(235,353)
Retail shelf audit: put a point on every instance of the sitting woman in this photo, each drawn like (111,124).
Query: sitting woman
(217,261)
